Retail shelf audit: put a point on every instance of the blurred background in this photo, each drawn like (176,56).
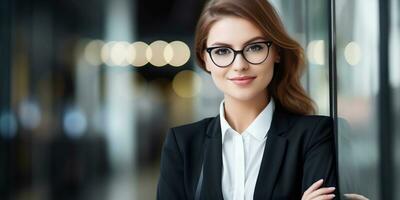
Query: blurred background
(89,88)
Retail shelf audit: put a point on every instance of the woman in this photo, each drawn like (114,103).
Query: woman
(264,144)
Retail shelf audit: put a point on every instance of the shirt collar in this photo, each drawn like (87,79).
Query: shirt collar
(258,128)
(224,124)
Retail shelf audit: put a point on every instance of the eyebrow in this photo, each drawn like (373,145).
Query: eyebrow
(247,42)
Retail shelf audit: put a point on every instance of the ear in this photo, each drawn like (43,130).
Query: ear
(277,58)
(278,55)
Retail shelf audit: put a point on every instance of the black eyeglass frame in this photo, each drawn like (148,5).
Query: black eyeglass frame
(235,52)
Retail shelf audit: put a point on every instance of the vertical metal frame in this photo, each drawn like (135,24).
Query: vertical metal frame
(5,54)
(385,115)
(6,11)
(333,77)
(332,62)
(307,38)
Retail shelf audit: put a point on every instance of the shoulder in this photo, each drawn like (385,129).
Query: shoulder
(188,138)
(193,127)
(311,121)
(192,131)
(307,132)
(307,126)
(300,121)
(312,129)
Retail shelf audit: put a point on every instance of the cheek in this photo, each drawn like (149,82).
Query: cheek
(216,72)
(218,76)
(268,73)
(271,69)
(218,81)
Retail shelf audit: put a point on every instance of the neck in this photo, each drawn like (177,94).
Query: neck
(239,114)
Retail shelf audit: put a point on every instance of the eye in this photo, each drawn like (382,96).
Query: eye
(255,47)
(222,51)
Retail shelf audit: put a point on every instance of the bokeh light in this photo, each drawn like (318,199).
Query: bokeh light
(352,53)
(92,52)
(74,123)
(118,54)
(155,53)
(177,53)
(8,125)
(136,55)
(186,84)
(29,114)
(316,52)
(105,53)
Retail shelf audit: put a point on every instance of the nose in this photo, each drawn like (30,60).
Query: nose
(240,64)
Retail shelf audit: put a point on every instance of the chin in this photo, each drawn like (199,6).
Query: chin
(242,96)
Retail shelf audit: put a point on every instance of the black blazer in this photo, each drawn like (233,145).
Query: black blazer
(299,151)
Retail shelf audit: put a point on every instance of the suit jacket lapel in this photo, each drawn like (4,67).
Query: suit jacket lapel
(213,162)
(274,153)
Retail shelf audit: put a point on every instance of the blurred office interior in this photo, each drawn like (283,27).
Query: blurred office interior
(89,88)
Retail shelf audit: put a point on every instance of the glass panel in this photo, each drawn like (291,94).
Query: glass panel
(92,95)
(317,36)
(308,22)
(357,82)
(394,72)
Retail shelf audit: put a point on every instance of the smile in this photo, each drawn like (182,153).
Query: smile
(243,81)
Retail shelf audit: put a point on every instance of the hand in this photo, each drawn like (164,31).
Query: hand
(314,192)
(355,197)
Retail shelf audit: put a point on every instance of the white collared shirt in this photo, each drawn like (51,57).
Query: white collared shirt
(242,154)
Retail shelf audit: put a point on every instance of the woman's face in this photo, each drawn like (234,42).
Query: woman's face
(237,33)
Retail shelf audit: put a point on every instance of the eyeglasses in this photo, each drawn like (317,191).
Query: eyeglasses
(254,53)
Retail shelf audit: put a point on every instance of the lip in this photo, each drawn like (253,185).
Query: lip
(242,80)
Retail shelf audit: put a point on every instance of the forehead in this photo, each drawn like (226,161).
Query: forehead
(232,30)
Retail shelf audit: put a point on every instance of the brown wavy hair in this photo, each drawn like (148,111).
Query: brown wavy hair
(285,86)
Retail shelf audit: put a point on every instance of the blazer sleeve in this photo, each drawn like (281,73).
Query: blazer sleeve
(170,183)
(320,157)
